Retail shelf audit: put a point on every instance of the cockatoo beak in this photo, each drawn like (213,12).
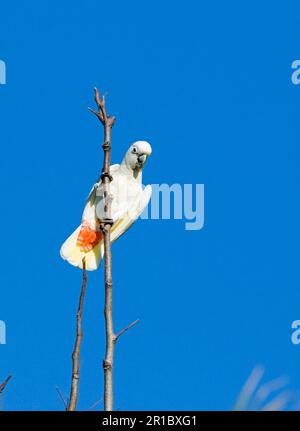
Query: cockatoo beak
(142,158)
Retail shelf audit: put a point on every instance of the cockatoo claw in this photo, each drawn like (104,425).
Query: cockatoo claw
(106,175)
(109,221)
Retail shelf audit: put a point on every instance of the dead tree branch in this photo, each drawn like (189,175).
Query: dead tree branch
(61,397)
(105,225)
(95,404)
(126,329)
(107,122)
(3,385)
(76,352)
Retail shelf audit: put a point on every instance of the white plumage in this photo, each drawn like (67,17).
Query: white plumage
(129,201)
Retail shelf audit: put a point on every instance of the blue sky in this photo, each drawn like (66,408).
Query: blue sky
(209,85)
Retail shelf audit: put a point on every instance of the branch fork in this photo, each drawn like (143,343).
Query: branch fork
(102,115)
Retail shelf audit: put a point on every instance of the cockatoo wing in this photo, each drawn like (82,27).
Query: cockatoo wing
(71,250)
(132,213)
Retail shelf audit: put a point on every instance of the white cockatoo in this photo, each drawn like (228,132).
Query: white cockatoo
(129,199)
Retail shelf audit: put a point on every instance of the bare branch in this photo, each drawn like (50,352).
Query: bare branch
(93,111)
(61,397)
(125,329)
(2,388)
(108,122)
(95,404)
(77,346)
(3,385)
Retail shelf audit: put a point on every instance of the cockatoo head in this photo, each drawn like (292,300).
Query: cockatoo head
(137,155)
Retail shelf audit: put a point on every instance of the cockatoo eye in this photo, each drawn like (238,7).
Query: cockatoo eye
(134,150)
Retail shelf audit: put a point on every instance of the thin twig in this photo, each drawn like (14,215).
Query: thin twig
(61,397)
(3,385)
(95,404)
(77,346)
(126,329)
